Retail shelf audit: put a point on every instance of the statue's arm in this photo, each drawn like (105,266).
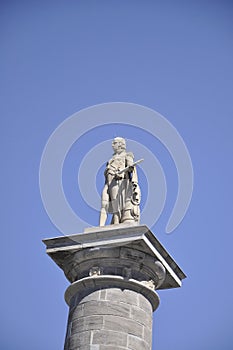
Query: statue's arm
(129,158)
(132,170)
(106,170)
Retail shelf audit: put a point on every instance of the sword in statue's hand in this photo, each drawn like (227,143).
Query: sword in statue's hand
(129,167)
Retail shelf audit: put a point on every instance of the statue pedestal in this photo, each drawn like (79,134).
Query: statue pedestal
(114,272)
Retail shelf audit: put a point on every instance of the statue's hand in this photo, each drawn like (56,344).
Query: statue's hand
(130,169)
(120,172)
(119,176)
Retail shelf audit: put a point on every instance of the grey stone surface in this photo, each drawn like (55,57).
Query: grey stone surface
(144,317)
(110,347)
(135,343)
(82,324)
(147,335)
(127,296)
(110,325)
(116,250)
(114,272)
(89,284)
(78,340)
(122,324)
(109,337)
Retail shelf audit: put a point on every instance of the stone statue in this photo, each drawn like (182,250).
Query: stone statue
(121,193)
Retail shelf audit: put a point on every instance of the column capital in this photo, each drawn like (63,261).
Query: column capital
(126,252)
(114,273)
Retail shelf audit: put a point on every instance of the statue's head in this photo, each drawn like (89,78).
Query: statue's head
(118,144)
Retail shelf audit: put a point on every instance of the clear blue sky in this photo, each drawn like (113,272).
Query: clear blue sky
(58,57)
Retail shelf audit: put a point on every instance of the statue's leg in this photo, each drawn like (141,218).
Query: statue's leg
(104,206)
(115,218)
(115,205)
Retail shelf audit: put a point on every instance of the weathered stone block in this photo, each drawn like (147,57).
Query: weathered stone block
(87,323)
(141,316)
(80,339)
(147,335)
(135,343)
(90,347)
(106,308)
(110,347)
(144,304)
(124,296)
(93,296)
(121,324)
(76,312)
(106,337)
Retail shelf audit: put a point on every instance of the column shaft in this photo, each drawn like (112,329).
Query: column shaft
(109,319)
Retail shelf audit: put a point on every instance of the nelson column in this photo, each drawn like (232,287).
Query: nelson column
(114,270)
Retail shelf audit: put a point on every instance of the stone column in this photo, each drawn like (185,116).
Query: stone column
(109,318)
(114,272)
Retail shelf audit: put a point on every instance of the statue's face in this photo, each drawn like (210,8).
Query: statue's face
(117,144)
